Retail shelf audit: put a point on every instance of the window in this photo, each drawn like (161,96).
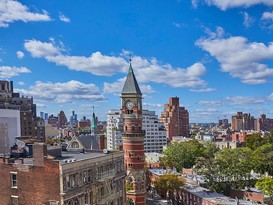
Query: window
(13,176)
(14,200)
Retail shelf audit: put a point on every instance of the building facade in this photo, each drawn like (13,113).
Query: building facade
(155,134)
(28,118)
(264,123)
(67,179)
(175,119)
(9,129)
(133,140)
(243,121)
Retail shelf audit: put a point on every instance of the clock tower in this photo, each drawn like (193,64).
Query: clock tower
(133,140)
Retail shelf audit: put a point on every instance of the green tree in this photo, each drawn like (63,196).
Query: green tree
(169,184)
(255,140)
(266,186)
(263,157)
(228,170)
(183,154)
(210,149)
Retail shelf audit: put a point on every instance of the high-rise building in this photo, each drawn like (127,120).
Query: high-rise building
(175,119)
(114,129)
(243,121)
(133,140)
(155,134)
(28,118)
(73,120)
(264,124)
(62,120)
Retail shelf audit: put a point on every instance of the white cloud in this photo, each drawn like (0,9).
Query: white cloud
(64,18)
(240,58)
(210,103)
(40,49)
(244,100)
(20,54)
(8,71)
(226,4)
(116,87)
(21,83)
(203,90)
(267,16)
(179,25)
(146,70)
(11,11)
(248,20)
(63,92)
(41,105)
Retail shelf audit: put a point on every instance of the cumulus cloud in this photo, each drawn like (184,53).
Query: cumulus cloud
(248,20)
(244,100)
(8,71)
(41,105)
(64,18)
(116,87)
(63,92)
(146,70)
(240,58)
(267,16)
(227,4)
(267,20)
(209,111)
(20,54)
(11,11)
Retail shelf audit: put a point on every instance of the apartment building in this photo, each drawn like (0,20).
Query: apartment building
(175,119)
(155,134)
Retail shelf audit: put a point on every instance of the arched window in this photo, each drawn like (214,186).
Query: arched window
(75,145)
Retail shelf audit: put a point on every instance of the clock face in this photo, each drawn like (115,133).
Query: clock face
(129,105)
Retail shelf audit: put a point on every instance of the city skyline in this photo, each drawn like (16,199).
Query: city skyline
(215,55)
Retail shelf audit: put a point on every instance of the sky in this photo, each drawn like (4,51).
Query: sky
(215,55)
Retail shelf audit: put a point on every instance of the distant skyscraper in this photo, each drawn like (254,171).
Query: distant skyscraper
(243,121)
(73,120)
(46,116)
(175,119)
(264,124)
(62,120)
(42,115)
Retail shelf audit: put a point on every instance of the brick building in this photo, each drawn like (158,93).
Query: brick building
(69,178)
(243,121)
(175,119)
(264,123)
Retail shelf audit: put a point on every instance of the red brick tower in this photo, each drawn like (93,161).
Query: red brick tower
(133,140)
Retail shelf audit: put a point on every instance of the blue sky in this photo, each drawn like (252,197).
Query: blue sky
(215,55)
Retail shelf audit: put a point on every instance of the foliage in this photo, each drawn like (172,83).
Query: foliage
(229,169)
(254,141)
(266,186)
(210,149)
(169,183)
(183,154)
(129,187)
(263,157)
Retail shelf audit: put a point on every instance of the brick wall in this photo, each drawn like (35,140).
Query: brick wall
(35,185)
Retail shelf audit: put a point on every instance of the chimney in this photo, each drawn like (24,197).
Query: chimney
(2,160)
(39,154)
(101,142)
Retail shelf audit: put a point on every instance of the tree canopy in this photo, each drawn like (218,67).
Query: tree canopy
(169,183)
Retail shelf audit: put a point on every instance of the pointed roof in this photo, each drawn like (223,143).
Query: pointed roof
(131,85)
